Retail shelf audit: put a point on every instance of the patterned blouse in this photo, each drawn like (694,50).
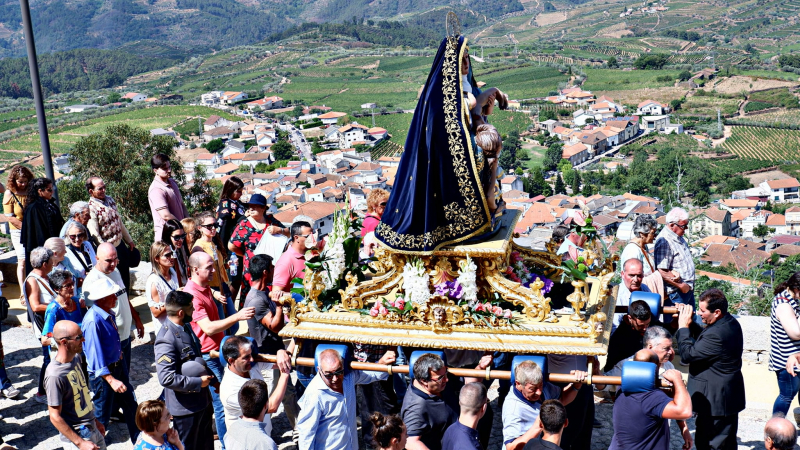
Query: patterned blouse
(246,236)
(229,212)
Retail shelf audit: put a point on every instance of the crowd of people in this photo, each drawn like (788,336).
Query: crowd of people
(212,271)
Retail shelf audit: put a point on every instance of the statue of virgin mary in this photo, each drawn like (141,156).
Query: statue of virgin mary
(437,198)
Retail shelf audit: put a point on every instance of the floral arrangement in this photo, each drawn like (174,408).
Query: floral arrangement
(415,282)
(384,307)
(464,292)
(488,313)
(336,257)
(522,274)
(467,280)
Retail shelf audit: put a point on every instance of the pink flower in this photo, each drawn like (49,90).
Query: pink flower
(487,307)
(383,311)
(400,303)
(497,311)
(373,312)
(479,307)
(507,314)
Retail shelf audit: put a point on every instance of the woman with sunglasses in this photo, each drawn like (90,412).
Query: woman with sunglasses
(42,218)
(64,307)
(208,242)
(229,212)
(162,281)
(80,253)
(248,233)
(173,234)
(376,205)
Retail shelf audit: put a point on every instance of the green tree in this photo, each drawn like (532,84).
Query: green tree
(535,184)
(282,150)
(297,111)
(113,97)
(786,269)
(215,145)
(261,168)
(344,120)
(701,199)
(316,148)
(553,156)
(762,231)
(100,154)
(519,171)
(547,114)
(204,192)
(588,190)
(684,75)
(576,183)
(560,187)
(612,63)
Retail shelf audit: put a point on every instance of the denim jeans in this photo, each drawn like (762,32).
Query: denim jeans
(215,366)
(788,387)
(46,354)
(105,398)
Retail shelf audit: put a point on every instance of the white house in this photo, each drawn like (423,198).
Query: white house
(211,98)
(330,118)
(231,97)
(785,190)
(321,213)
(215,121)
(511,182)
(575,153)
(225,169)
(656,123)
(134,97)
(581,117)
(232,147)
(223,133)
(210,161)
(755,219)
(651,108)
(79,108)
(352,133)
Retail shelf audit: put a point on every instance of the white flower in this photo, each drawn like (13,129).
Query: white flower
(466,278)
(415,282)
(334,249)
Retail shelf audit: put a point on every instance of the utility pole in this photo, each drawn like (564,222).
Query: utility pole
(719,121)
(33,66)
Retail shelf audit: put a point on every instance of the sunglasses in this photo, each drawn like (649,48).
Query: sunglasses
(209,226)
(330,375)
(168,255)
(76,338)
(73,237)
(382,204)
(179,237)
(682,227)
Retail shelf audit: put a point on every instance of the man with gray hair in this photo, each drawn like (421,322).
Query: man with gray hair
(327,419)
(522,405)
(632,276)
(463,434)
(779,434)
(674,260)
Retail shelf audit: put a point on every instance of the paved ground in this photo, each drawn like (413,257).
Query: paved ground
(25,423)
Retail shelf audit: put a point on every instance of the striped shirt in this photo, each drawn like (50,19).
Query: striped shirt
(327,419)
(671,252)
(781,346)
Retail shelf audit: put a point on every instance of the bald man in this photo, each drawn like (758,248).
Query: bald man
(124,313)
(69,400)
(779,434)
(208,326)
(327,419)
(632,276)
(463,434)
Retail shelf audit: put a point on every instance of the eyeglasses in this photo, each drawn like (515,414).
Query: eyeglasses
(179,237)
(682,227)
(436,380)
(382,204)
(209,226)
(67,286)
(168,255)
(76,338)
(330,375)
(73,237)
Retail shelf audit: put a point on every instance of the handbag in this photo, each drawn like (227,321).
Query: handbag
(4,307)
(134,258)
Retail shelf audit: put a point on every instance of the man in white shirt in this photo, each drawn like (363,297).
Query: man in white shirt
(327,419)
(238,353)
(126,316)
(632,276)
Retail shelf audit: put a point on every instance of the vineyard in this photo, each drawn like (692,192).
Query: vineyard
(386,148)
(603,50)
(785,118)
(766,144)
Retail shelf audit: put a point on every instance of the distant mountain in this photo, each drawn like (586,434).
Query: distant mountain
(196,26)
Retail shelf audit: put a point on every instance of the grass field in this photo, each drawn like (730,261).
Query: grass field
(764,143)
(62,139)
(619,80)
(524,82)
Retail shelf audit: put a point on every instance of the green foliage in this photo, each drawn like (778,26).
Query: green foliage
(203,192)
(683,34)
(757,106)
(576,182)
(552,156)
(789,267)
(762,230)
(653,61)
(774,97)
(282,150)
(685,75)
(536,184)
(612,63)
(789,60)
(316,147)
(735,299)
(215,145)
(547,114)
(508,155)
(100,154)
(560,188)
(74,70)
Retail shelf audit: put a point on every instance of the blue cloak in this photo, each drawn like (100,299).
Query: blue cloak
(437,198)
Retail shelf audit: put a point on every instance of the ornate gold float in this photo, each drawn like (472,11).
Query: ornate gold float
(440,322)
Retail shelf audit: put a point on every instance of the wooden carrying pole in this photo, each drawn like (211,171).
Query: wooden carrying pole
(487,374)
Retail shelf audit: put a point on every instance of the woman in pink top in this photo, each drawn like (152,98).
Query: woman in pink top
(376,203)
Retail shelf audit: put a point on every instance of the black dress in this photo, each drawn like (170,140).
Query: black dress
(40,221)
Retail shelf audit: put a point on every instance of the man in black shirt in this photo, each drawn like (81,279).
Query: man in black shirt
(553,418)
(627,339)
(264,327)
